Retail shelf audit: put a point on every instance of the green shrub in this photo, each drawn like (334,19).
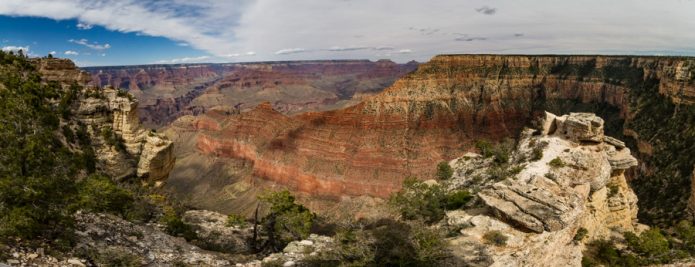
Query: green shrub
(444,171)
(115,257)
(581,234)
(286,221)
(556,163)
(36,170)
(69,134)
(419,201)
(456,200)
(112,139)
(651,244)
(484,147)
(401,244)
(501,151)
(235,220)
(173,225)
(99,194)
(352,248)
(686,233)
(603,252)
(496,238)
(537,154)
(613,190)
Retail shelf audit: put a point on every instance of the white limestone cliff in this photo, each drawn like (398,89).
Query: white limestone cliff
(576,183)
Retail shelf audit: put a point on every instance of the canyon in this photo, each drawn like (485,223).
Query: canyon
(166,92)
(436,114)
(566,174)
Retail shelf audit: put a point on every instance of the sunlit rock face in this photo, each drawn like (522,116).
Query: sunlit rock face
(573,185)
(111,119)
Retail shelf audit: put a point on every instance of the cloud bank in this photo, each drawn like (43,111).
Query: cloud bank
(309,29)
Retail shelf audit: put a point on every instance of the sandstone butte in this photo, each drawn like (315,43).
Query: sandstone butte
(166,92)
(430,115)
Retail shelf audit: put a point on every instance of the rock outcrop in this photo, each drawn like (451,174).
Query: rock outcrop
(213,232)
(295,252)
(104,233)
(124,148)
(573,185)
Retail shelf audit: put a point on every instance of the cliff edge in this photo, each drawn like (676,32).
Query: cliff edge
(569,176)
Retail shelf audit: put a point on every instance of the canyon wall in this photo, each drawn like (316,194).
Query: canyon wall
(166,92)
(438,111)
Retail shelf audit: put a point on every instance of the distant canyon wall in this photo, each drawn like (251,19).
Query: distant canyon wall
(167,92)
(437,112)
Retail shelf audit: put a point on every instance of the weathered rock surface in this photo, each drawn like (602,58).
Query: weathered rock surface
(102,232)
(107,239)
(539,209)
(60,70)
(295,252)
(157,158)
(580,127)
(213,231)
(106,112)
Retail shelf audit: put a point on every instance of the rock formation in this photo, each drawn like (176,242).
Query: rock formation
(169,91)
(436,113)
(573,185)
(212,229)
(111,118)
(295,252)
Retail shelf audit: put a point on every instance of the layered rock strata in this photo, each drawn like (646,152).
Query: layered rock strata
(167,92)
(430,115)
(539,210)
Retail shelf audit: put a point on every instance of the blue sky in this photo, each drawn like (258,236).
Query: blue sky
(42,36)
(126,32)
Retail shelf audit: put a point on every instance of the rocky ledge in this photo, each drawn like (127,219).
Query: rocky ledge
(567,176)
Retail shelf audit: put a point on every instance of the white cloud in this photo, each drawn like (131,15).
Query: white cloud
(183,44)
(184,60)
(84,26)
(349,48)
(205,24)
(275,29)
(251,53)
(72,53)
(52,52)
(13,48)
(287,51)
(95,45)
(405,51)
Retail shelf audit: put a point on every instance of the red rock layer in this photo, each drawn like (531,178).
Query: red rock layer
(430,115)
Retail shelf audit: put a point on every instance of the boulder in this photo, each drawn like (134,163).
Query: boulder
(580,127)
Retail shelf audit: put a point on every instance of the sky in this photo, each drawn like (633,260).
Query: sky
(129,32)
